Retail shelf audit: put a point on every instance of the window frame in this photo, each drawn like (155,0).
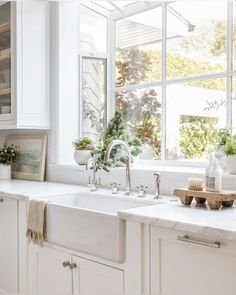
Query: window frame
(228,75)
(89,57)
(94,55)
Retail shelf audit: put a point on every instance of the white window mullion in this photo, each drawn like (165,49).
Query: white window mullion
(163,74)
(172,81)
(80,96)
(229,63)
(111,69)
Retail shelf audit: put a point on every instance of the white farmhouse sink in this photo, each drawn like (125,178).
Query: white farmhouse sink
(89,223)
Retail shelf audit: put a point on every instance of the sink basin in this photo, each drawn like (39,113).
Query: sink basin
(89,223)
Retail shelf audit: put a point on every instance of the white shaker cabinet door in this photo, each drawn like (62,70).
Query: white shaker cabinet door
(94,278)
(47,274)
(193,265)
(8,246)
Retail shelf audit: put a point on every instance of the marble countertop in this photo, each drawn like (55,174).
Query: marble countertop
(23,189)
(167,212)
(197,219)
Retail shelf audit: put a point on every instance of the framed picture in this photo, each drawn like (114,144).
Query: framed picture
(30,164)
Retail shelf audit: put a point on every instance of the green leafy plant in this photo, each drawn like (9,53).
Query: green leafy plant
(223,135)
(85,143)
(116,129)
(230,146)
(8,154)
(198,136)
(148,131)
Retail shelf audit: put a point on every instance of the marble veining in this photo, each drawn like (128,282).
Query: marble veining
(195,219)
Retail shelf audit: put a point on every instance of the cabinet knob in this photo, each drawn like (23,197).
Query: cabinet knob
(66,263)
(1,200)
(72,265)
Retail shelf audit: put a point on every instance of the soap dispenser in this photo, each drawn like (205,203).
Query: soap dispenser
(207,172)
(214,176)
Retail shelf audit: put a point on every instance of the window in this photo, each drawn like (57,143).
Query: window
(93,97)
(196,38)
(93,73)
(138,48)
(141,109)
(234,36)
(138,61)
(194,112)
(234,105)
(93,31)
(174,75)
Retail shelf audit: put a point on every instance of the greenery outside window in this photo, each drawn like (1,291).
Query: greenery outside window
(179,56)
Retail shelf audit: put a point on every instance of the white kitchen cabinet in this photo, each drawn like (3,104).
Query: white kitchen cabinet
(24,64)
(8,245)
(183,264)
(94,278)
(48,275)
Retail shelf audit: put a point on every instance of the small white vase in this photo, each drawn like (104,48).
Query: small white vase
(5,172)
(82,156)
(231,164)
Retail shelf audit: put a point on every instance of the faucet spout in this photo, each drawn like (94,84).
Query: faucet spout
(110,147)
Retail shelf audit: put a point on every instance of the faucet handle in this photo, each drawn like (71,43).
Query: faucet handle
(94,184)
(142,190)
(115,187)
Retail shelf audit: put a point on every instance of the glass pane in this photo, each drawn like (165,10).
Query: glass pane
(195,110)
(5,59)
(234,114)
(196,38)
(93,31)
(94,98)
(141,109)
(138,48)
(234,104)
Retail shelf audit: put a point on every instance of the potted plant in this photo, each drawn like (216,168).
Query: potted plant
(8,155)
(83,148)
(230,150)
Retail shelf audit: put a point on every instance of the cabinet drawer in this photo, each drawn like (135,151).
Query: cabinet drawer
(185,263)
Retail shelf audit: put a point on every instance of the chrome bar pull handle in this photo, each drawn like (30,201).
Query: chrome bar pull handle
(187,239)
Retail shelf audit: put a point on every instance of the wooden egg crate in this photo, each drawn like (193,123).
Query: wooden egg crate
(214,199)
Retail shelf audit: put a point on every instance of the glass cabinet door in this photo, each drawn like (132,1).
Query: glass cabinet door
(5,58)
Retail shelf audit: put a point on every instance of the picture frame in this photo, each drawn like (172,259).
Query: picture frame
(30,163)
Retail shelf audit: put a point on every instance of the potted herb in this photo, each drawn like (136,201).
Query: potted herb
(230,150)
(83,148)
(8,155)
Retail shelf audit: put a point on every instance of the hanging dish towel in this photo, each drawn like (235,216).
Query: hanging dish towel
(36,228)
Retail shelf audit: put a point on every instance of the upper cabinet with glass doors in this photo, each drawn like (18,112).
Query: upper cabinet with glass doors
(5,58)
(24,57)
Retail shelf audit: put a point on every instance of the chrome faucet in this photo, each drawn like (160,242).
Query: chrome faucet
(128,160)
(157,185)
(94,183)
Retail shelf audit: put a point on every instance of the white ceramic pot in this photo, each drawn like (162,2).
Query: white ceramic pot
(5,172)
(231,164)
(82,156)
